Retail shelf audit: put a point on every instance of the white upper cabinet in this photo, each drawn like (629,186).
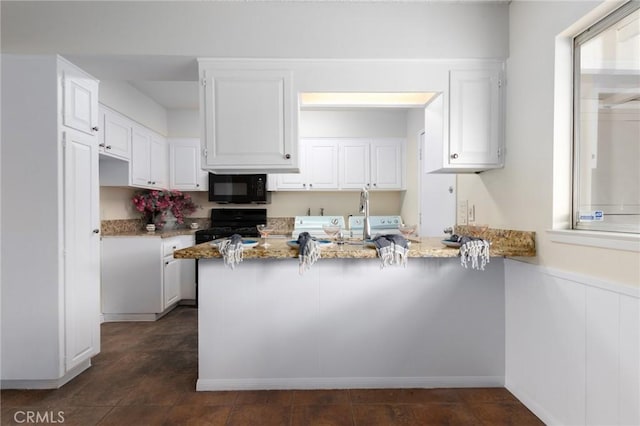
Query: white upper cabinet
(249,116)
(159,162)
(318,168)
(115,134)
(185,173)
(387,164)
(473,140)
(372,163)
(148,159)
(347,164)
(355,164)
(80,101)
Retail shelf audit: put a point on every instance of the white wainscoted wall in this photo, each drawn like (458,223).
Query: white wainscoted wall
(572,346)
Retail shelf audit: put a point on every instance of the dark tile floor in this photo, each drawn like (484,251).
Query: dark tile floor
(146,374)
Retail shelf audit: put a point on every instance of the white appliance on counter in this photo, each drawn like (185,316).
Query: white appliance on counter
(379,225)
(313,225)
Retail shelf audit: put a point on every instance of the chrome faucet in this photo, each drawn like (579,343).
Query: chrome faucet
(364,208)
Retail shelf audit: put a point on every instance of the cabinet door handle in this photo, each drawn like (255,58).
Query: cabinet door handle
(108,146)
(197,185)
(101,145)
(310,185)
(166,263)
(96,231)
(304,185)
(287,156)
(148,182)
(454,156)
(375,184)
(95,128)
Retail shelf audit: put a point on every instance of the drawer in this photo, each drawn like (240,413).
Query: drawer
(169,246)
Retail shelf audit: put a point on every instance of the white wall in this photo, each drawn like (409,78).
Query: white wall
(258,29)
(126,99)
(572,346)
(183,123)
(520,196)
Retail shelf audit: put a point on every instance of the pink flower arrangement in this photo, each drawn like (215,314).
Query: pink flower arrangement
(154,206)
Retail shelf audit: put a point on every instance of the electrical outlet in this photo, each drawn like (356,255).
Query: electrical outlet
(462,212)
(472,214)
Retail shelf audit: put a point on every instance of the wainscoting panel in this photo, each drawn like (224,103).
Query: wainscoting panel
(572,346)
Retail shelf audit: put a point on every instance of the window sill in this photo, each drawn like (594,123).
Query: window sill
(609,240)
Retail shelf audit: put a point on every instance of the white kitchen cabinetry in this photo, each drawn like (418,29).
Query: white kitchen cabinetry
(372,163)
(115,134)
(51,312)
(249,114)
(318,169)
(148,159)
(185,173)
(473,139)
(80,101)
(347,164)
(141,280)
(171,273)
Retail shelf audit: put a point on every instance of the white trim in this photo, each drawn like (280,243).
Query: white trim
(585,280)
(602,239)
(349,383)
(544,415)
(46,383)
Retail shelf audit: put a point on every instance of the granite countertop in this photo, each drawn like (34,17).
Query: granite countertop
(144,233)
(503,243)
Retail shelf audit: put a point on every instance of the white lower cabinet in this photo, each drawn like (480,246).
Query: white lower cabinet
(140,278)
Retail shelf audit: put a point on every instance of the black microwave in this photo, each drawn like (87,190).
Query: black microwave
(238,189)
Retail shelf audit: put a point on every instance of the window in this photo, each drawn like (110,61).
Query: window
(606,182)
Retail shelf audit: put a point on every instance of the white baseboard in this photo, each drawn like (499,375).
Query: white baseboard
(47,383)
(350,383)
(543,414)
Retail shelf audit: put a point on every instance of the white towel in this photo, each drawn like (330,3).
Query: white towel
(308,251)
(392,249)
(231,250)
(475,251)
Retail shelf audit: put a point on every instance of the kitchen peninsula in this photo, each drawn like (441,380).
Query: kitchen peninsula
(348,323)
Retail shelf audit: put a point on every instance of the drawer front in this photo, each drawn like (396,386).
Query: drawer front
(169,246)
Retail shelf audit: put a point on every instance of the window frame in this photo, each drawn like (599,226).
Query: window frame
(584,36)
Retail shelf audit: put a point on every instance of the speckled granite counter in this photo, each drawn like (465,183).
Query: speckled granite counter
(135,228)
(503,243)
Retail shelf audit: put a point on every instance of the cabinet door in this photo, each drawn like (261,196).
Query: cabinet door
(159,175)
(187,270)
(171,281)
(294,181)
(354,164)
(321,163)
(475,116)
(185,173)
(249,119)
(116,134)
(80,101)
(387,164)
(140,157)
(81,247)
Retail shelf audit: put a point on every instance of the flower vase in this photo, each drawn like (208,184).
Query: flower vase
(170,221)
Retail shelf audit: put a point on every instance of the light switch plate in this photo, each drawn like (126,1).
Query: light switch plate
(463,207)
